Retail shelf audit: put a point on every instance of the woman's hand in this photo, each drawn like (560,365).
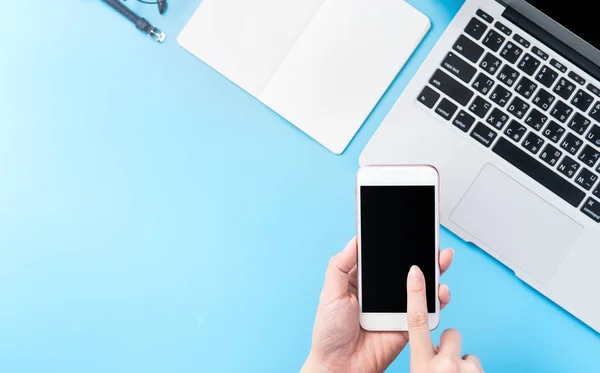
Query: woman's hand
(339,343)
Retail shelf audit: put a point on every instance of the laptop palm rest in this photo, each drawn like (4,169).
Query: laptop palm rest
(529,233)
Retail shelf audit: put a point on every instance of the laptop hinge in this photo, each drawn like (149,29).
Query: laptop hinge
(552,42)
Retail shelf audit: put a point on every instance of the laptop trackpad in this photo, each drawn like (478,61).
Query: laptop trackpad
(511,220)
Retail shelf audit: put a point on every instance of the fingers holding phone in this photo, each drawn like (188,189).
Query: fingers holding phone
(423,357)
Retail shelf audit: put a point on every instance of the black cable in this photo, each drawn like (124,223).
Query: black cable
(125,11)
(140,23)
(162,4)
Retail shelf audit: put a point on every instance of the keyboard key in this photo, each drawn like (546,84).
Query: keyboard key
(519,39)
(511,52)
(592,209)
(543,99)
(550,155)
(533,143)
(558,65)
(428,97)
(500,95)
(515,131)
(576,78)
(589,156)
(486,17)
(497,118)
(464,121)
(480,107)
(553,131)
(451,87)
(540,53)
(508,75)
(589,177)
(568,167)
(579,123)
(564,88)
(597,191)
(483,83)
(594,135)
(582,100)
(595,90)
(536,170)
(490,63)
(525,87)
(546,76)
(493,40)
(536,120)
(475,28)
(529,64)
(468,48)
(518,107)
(459,67)
(595,112)
(571,143)
(505,30)
(446,109)
(483,134)
(561,111)
(586,179)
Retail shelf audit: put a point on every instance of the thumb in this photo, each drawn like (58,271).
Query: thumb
(337,276)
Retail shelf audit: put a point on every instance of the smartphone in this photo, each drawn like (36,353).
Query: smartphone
(398,227)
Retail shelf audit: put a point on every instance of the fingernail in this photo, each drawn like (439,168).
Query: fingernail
(451,249)
(415,274)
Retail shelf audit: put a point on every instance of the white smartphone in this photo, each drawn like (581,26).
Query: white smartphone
(398,227)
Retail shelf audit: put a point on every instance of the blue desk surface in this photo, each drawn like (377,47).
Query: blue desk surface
(155,218)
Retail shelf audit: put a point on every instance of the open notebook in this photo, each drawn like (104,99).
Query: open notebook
(321,64)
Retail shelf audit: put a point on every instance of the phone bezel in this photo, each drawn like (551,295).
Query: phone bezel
(397,175)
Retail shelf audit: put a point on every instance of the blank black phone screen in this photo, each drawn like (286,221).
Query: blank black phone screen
(398,229)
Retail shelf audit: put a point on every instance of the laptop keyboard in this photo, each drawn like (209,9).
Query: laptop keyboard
(509,96)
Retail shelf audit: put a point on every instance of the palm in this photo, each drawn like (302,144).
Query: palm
(362,350)
(338,340)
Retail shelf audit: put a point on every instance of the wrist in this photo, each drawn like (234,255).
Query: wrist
(312,365)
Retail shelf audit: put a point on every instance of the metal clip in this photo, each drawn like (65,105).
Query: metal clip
(157,35)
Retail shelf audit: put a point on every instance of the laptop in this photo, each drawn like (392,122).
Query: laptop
(507,107)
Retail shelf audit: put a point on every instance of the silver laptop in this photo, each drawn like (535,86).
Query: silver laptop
(507,107)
